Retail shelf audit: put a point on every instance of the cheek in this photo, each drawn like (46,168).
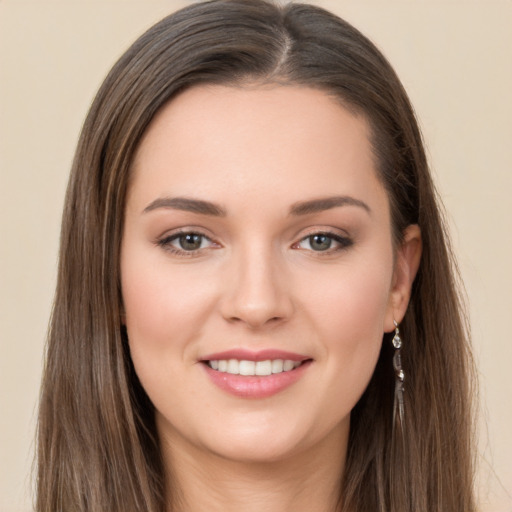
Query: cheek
(350,318)
(353,301)
(161,301)
(164,311)
(147,309)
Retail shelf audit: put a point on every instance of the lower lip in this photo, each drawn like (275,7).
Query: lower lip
(256,386)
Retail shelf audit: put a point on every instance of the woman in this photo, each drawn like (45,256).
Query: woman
(256,307)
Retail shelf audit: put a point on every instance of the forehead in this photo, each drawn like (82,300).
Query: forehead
(272,141)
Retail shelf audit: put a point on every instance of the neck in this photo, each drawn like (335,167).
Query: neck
(305,481)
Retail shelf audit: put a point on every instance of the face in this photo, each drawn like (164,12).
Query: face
(257,269)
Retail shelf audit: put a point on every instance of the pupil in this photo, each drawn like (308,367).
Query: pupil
(320,242)
(190,242)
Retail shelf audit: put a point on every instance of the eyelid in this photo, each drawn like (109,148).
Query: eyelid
(184,230)
(325,229)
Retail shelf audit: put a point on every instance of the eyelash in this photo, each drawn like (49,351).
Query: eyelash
(166,243)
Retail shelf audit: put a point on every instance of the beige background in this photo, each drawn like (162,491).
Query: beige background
(455,59)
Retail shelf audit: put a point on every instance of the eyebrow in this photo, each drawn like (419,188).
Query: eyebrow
(188,205)
(326,203)
(208,208)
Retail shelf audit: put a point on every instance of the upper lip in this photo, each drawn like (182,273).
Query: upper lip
(250,355)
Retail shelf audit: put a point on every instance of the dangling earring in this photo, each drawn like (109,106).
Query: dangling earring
(398,405)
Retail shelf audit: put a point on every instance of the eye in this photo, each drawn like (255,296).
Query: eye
(319,242)
(324,242)
(190,241)
(186,242)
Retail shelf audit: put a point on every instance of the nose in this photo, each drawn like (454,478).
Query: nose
(258,290)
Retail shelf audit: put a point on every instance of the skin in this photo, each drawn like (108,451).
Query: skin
(259,281)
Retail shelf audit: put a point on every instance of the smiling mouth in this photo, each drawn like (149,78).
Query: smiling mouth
(254,368)
(255,375)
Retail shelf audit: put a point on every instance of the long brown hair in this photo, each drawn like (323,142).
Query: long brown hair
(98,448)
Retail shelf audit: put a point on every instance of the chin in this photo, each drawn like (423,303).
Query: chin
(261,443)
(258,451)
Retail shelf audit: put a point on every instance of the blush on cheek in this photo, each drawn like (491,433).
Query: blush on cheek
(354,312)
(359,302)
(142,314)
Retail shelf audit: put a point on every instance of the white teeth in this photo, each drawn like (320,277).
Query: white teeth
(287,365)
(264,368)
(247,367)
(244,367)
(277,366)
(233,367)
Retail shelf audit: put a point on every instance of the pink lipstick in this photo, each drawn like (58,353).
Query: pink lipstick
(260,374)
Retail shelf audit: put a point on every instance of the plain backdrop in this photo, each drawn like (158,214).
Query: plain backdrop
(455,60)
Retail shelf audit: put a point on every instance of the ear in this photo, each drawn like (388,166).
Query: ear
(407,262)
